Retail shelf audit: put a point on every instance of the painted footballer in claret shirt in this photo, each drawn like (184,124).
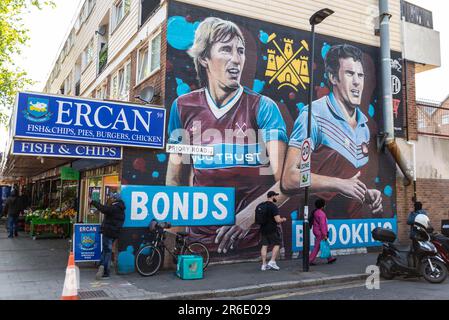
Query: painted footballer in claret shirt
(245,129)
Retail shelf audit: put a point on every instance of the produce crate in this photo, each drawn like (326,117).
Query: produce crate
(20,224)
(50,228)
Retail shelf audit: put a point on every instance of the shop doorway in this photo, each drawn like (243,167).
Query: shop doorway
(98,189)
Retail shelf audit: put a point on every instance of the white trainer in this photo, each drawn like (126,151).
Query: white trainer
(273,265)
(100,272)
(264,267)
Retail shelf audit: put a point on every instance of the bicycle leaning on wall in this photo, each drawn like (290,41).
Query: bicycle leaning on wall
(149,257)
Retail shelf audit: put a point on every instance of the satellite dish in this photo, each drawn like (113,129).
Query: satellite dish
(101,30)
(146,94)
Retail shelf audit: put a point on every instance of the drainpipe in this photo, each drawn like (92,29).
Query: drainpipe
(412,144)
(387,95)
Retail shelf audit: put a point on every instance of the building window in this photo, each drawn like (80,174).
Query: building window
(101,92)
(445,119)
(77,25)
(421,123)
(147,8)
(149,58)
(91,5)
(68,83)
(84,14)
(119,11)
(87,55)
(121,82)
(70,40)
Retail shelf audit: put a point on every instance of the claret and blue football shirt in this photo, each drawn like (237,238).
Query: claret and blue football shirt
(338,149)
(250,120)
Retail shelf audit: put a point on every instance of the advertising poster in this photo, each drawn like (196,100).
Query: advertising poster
(87,242)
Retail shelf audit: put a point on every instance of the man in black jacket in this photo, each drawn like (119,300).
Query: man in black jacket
(114,216)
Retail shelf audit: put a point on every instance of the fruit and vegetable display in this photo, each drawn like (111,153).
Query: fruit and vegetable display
(48,214)
(48,222)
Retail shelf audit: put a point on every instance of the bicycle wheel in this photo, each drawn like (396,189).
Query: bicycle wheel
(198,249)
(148,260)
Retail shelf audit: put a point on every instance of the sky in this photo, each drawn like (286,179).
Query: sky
(50,26)
(47,30)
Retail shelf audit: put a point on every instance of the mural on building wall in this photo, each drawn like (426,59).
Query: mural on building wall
(240,86)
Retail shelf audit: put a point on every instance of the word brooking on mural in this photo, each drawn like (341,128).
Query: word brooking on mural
(181,206)
(51,117)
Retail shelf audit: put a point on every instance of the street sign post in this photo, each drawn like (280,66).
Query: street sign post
(304,166)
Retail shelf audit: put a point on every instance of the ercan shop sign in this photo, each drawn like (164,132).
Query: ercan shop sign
(51,117)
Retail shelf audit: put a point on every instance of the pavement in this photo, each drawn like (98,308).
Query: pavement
(35,270)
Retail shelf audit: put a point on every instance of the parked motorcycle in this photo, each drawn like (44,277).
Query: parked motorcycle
(441,242)
(422,259)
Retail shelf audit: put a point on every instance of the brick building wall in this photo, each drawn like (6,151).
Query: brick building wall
(157,80)
(434,195)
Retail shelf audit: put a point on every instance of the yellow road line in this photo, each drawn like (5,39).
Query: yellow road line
(321,290)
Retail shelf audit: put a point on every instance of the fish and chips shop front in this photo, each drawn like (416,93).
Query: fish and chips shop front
(68,150)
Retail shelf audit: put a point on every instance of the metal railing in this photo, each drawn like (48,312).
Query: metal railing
(433,120)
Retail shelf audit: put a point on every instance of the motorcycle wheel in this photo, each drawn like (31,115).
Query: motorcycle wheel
(384,272)
(436,276)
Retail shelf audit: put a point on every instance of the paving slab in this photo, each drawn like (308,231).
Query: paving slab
(35,269)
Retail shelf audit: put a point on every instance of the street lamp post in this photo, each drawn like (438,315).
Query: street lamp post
(315,19)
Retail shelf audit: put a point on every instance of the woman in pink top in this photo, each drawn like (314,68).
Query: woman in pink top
(319,230)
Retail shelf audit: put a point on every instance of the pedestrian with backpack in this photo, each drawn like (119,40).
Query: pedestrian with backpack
(267,215)
(318,221)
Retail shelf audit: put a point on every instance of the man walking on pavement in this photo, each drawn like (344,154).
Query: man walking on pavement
(270,232)
(12,209)
(114,216)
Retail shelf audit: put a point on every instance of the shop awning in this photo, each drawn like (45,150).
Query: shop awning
(29,166)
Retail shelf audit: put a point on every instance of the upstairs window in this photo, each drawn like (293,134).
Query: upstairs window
(87,55)
(119,11)
(147,8)
(90,5)
(149,58)
(121,83)
(101,92)
(68,84)
(77,25)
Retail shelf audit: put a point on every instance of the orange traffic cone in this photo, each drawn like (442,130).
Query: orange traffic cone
(71,282)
